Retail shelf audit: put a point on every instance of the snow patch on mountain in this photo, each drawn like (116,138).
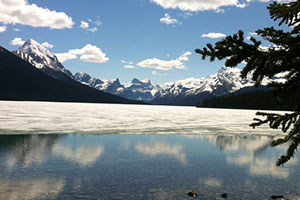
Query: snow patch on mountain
(40,57)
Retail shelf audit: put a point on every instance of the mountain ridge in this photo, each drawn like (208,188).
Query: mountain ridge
(136,89)
(24,82)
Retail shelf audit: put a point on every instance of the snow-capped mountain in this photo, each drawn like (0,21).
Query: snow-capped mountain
(225,81)
(192,91)
(40,57)
(136,89)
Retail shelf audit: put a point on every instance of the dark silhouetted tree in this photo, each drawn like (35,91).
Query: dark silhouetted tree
(281,56)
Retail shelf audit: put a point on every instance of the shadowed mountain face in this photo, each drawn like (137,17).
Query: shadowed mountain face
(19,80)
(40,57)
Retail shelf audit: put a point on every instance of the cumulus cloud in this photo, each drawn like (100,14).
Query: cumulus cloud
(129,67)
(184,56)
(17,41)
(84,25)
(213,35)
(93,30)
(62,57)
(89,53)
(168,20)
(21,12)
(2,29)
(203,5)
(47,45)
(196,5)
(165,65)
(127,62)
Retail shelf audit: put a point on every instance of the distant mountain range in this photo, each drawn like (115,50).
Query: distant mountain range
(138,90)
(20,80)
(190,91)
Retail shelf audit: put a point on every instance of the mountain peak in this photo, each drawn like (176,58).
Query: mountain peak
(32,46)
(135,80)
(40,57)
(31,42)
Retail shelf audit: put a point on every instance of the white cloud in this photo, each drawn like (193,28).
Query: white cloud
(21,12)
(213,35)
(84,25)
(127,62)
(62,57)
(17,42)
(89,53)
(93,30)
(47,45)
(253,34)
(16,29)
(197,5)
(2,29)
(129,67)
(184,56)
(168,20)
(165,65)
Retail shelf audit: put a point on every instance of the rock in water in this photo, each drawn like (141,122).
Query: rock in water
(276,196)
(224,195)
(192,193)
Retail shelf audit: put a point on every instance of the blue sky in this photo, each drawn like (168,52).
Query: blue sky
(126,39)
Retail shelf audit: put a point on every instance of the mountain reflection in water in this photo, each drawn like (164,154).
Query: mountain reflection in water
(142,167)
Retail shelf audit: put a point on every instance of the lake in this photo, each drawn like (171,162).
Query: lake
(107,151)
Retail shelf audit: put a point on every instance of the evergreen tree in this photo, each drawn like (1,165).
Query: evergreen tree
(282,56)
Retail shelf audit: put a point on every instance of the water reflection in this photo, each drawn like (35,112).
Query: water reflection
(27,150)
(249,149)
(84,155)
(162,148)
(213,182)
(142,167)
(31,189)
(237,143)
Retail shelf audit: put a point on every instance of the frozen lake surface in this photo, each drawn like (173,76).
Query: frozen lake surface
(44,117)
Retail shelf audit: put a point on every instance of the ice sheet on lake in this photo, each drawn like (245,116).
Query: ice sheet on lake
(46,117)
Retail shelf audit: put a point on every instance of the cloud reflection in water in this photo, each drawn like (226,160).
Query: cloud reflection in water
(84,155)
(30,189)
(213,182)
(30,150)
(162,148)
(249,149)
